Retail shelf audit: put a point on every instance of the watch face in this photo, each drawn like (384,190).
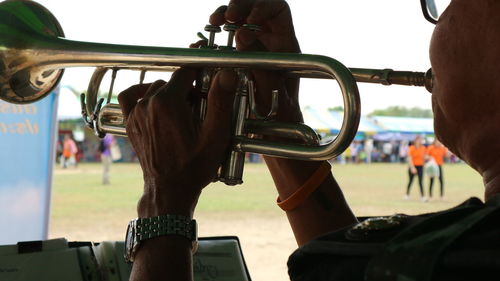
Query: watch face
(130,241)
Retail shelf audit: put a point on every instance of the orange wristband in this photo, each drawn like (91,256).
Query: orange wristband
(299,196)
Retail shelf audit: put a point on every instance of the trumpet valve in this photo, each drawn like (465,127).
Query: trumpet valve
(273,111)
(231,29)
(211,29)
(142,76)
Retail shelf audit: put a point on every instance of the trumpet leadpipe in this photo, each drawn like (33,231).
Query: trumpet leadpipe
(385,76)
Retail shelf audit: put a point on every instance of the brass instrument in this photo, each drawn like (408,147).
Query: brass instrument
(33,55)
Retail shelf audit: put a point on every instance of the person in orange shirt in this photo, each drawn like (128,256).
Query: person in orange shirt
(437,151)
(69,152)
(416,159)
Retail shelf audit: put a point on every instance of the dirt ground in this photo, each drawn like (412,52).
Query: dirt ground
(266,238)
(267,241)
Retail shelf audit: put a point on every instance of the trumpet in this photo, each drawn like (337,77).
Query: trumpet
(34,53)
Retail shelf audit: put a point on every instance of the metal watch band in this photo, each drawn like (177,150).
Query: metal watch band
(142,229)
(147,228)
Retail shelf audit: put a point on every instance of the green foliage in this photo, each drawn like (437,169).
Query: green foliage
(336,108)
(403,111)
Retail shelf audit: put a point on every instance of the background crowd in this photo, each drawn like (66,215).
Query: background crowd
(395,151)
(364,151)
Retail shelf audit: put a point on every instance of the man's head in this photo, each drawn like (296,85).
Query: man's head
(418,141)
(465,58)
(437,143)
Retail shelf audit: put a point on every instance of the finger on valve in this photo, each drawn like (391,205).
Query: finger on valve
(215,131)
(129,97)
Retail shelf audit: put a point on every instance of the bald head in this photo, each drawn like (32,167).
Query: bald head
(465,58)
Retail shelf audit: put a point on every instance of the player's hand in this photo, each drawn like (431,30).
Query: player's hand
(277,35)
(178,157)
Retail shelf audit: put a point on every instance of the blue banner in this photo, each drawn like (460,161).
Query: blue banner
(27,142)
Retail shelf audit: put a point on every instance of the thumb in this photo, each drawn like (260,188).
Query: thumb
(221,98)
(215,133)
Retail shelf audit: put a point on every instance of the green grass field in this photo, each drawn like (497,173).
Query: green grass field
(79,199)
(84,209)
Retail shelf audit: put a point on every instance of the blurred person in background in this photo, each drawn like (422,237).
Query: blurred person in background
(106,158)
(416,160)
(347,154)
(354,149)
(437,152)
(403,151)
(387,151)
(68,157)
(368,147)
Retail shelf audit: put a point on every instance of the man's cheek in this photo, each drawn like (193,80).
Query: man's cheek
(445,130)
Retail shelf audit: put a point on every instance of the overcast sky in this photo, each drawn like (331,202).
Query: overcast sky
(358,33)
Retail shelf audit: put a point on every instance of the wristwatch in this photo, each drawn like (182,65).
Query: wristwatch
(141,229)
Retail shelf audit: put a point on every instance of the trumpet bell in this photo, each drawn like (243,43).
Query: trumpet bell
(24,25)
